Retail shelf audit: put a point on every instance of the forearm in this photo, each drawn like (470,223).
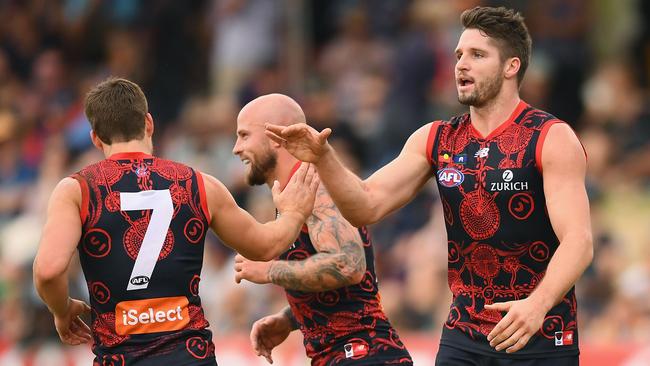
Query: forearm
(288,314)
(279,234)
(320,272)
(54,293)
(567,265)
(347,190)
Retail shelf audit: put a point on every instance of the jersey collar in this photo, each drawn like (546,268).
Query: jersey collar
(130,155)
(503,126)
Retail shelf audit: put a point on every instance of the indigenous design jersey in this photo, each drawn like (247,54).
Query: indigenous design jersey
(144,224)
(500,238)
(347,324)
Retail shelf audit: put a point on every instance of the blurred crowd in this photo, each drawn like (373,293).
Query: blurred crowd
(373,71)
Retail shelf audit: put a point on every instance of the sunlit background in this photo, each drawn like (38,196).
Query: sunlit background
(372,70)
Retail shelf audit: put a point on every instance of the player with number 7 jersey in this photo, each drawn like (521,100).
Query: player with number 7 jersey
(139,223)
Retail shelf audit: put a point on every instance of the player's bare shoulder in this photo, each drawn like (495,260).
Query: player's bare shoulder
(69,190)
(562,148)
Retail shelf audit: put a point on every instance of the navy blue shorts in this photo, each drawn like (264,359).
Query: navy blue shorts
(450,356)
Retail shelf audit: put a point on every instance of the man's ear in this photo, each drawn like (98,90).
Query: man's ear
(148,125)
(511,67)
(274,144)
(99,144)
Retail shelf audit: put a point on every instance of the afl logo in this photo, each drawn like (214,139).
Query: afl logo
(139,280)
(450,177)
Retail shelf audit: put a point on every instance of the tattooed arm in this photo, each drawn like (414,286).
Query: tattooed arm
(340,260)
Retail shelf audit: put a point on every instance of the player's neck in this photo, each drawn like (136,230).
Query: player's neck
(490,116)
(283,171)
(128,147)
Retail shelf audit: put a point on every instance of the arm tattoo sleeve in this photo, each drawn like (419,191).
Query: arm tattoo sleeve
(340,260)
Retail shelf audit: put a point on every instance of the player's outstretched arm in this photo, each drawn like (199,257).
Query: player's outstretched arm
(254,240)
(362,202)
(272,330)
(59,240)
(340,260)
(564,169)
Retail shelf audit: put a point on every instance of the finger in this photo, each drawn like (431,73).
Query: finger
(64,334)
(523,341)
(86,308)
(83,328)
(301,173)
(266,353)
(309,174)
(238,277)
(276,129)
(504,335)
(501,325)
(499,306)
(324,134)
(73,339)
(512,339)
(239,258)
(254,337)
(238,267)
(275,190)
(275,138)
(293,130)
(315,182)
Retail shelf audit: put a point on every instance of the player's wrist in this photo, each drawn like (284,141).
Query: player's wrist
(268,273)
(62,309)
(288,316)
(325,155)
(541,301)
(295,215)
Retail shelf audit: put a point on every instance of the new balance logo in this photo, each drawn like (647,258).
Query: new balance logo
(482,153)
(564,338)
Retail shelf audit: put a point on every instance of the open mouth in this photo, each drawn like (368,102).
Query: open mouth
(464,81)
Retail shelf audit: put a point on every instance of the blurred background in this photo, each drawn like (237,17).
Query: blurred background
(374,71)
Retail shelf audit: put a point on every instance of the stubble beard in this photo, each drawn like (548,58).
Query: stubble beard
(259,171)
(483,92)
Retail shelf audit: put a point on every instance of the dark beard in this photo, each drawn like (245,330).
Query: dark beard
(259,172)
(489,90)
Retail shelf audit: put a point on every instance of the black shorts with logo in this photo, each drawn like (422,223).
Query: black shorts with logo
(450,356)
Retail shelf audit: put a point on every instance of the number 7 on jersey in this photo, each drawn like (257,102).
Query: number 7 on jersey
(160,202)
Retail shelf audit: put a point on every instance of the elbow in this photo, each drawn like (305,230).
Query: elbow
(357,273)
(265,257)
(365,213)
(363,218)
(258,255)
(357,222)
(356,277)
(46,272)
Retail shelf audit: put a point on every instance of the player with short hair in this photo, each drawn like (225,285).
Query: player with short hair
(511,180)
(139,224)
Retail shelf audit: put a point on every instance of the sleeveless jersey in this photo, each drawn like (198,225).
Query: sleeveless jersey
(500,238)
(347,324)
(144,224)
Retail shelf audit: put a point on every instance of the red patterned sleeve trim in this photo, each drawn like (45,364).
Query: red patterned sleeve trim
(431,140)
(540,142)
(83,212)
(203,196)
